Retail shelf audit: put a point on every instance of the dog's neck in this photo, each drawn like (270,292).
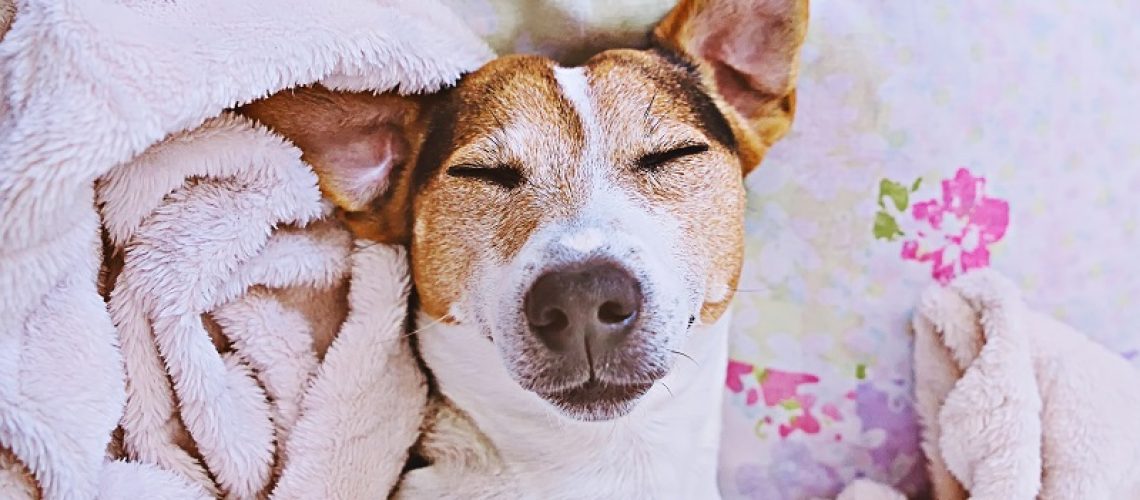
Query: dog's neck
(666,447)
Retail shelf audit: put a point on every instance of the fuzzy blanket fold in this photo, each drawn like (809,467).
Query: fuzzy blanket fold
(223,323)
(1015,405)
(219,362)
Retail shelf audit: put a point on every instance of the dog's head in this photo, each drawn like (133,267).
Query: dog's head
(585,218)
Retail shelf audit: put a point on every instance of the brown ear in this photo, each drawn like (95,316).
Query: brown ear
(362,147)
(749,53)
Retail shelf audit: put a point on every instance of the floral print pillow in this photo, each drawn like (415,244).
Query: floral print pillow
(857,427)
(916,158)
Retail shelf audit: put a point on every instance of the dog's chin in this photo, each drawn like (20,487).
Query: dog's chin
(597,401)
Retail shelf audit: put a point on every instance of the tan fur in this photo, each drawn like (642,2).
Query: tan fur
(20,472)
(512,112)
(7,15)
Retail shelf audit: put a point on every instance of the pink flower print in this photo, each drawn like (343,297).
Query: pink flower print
(832,412)
(782,388)
(779,386)
(780,392)
(751,397)
(805,422)
(735,383)
(736,371)
(953,233)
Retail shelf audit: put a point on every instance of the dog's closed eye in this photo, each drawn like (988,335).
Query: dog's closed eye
(653,161)
(504,176)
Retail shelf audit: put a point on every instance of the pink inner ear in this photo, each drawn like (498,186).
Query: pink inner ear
(751,46)
(741,78)
(355,165)
(754,52)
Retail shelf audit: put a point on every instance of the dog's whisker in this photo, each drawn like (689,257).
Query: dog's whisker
(686,356)
(668,389)
(425,327)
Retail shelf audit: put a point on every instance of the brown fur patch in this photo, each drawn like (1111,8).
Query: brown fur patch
(511,113)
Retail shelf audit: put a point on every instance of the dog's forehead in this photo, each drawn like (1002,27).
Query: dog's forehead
(509,90)
(619,91)
(628,85)
(517,107)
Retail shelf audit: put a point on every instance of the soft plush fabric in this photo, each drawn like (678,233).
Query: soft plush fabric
(1013,403)
(569,31)
(866,489)
(216,351)
(1005,406)
(1014,122)
(239,373)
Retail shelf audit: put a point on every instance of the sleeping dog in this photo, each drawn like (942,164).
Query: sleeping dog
(575,238)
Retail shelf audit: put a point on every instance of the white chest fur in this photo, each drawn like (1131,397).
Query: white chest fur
(665,448)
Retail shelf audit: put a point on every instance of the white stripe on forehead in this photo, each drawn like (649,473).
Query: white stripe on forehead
(601,196)
(575,88)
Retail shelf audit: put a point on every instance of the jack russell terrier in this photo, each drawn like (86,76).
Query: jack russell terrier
(575,239)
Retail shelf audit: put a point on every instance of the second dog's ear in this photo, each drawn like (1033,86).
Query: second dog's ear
(749,51)
(362,147)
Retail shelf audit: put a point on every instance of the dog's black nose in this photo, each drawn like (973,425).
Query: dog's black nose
(595,303)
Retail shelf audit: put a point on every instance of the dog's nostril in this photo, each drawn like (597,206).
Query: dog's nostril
(613,313)
(551,320)
(552,328)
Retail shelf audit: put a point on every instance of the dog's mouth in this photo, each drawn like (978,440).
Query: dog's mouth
(597,400)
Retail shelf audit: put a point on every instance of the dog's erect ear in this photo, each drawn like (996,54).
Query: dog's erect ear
(360,145)
(749,52)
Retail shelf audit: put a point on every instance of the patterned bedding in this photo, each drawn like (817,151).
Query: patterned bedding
(931,138)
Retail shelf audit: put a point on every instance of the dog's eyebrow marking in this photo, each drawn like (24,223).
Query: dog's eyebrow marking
(649,107)
(495,137)
(650,120)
